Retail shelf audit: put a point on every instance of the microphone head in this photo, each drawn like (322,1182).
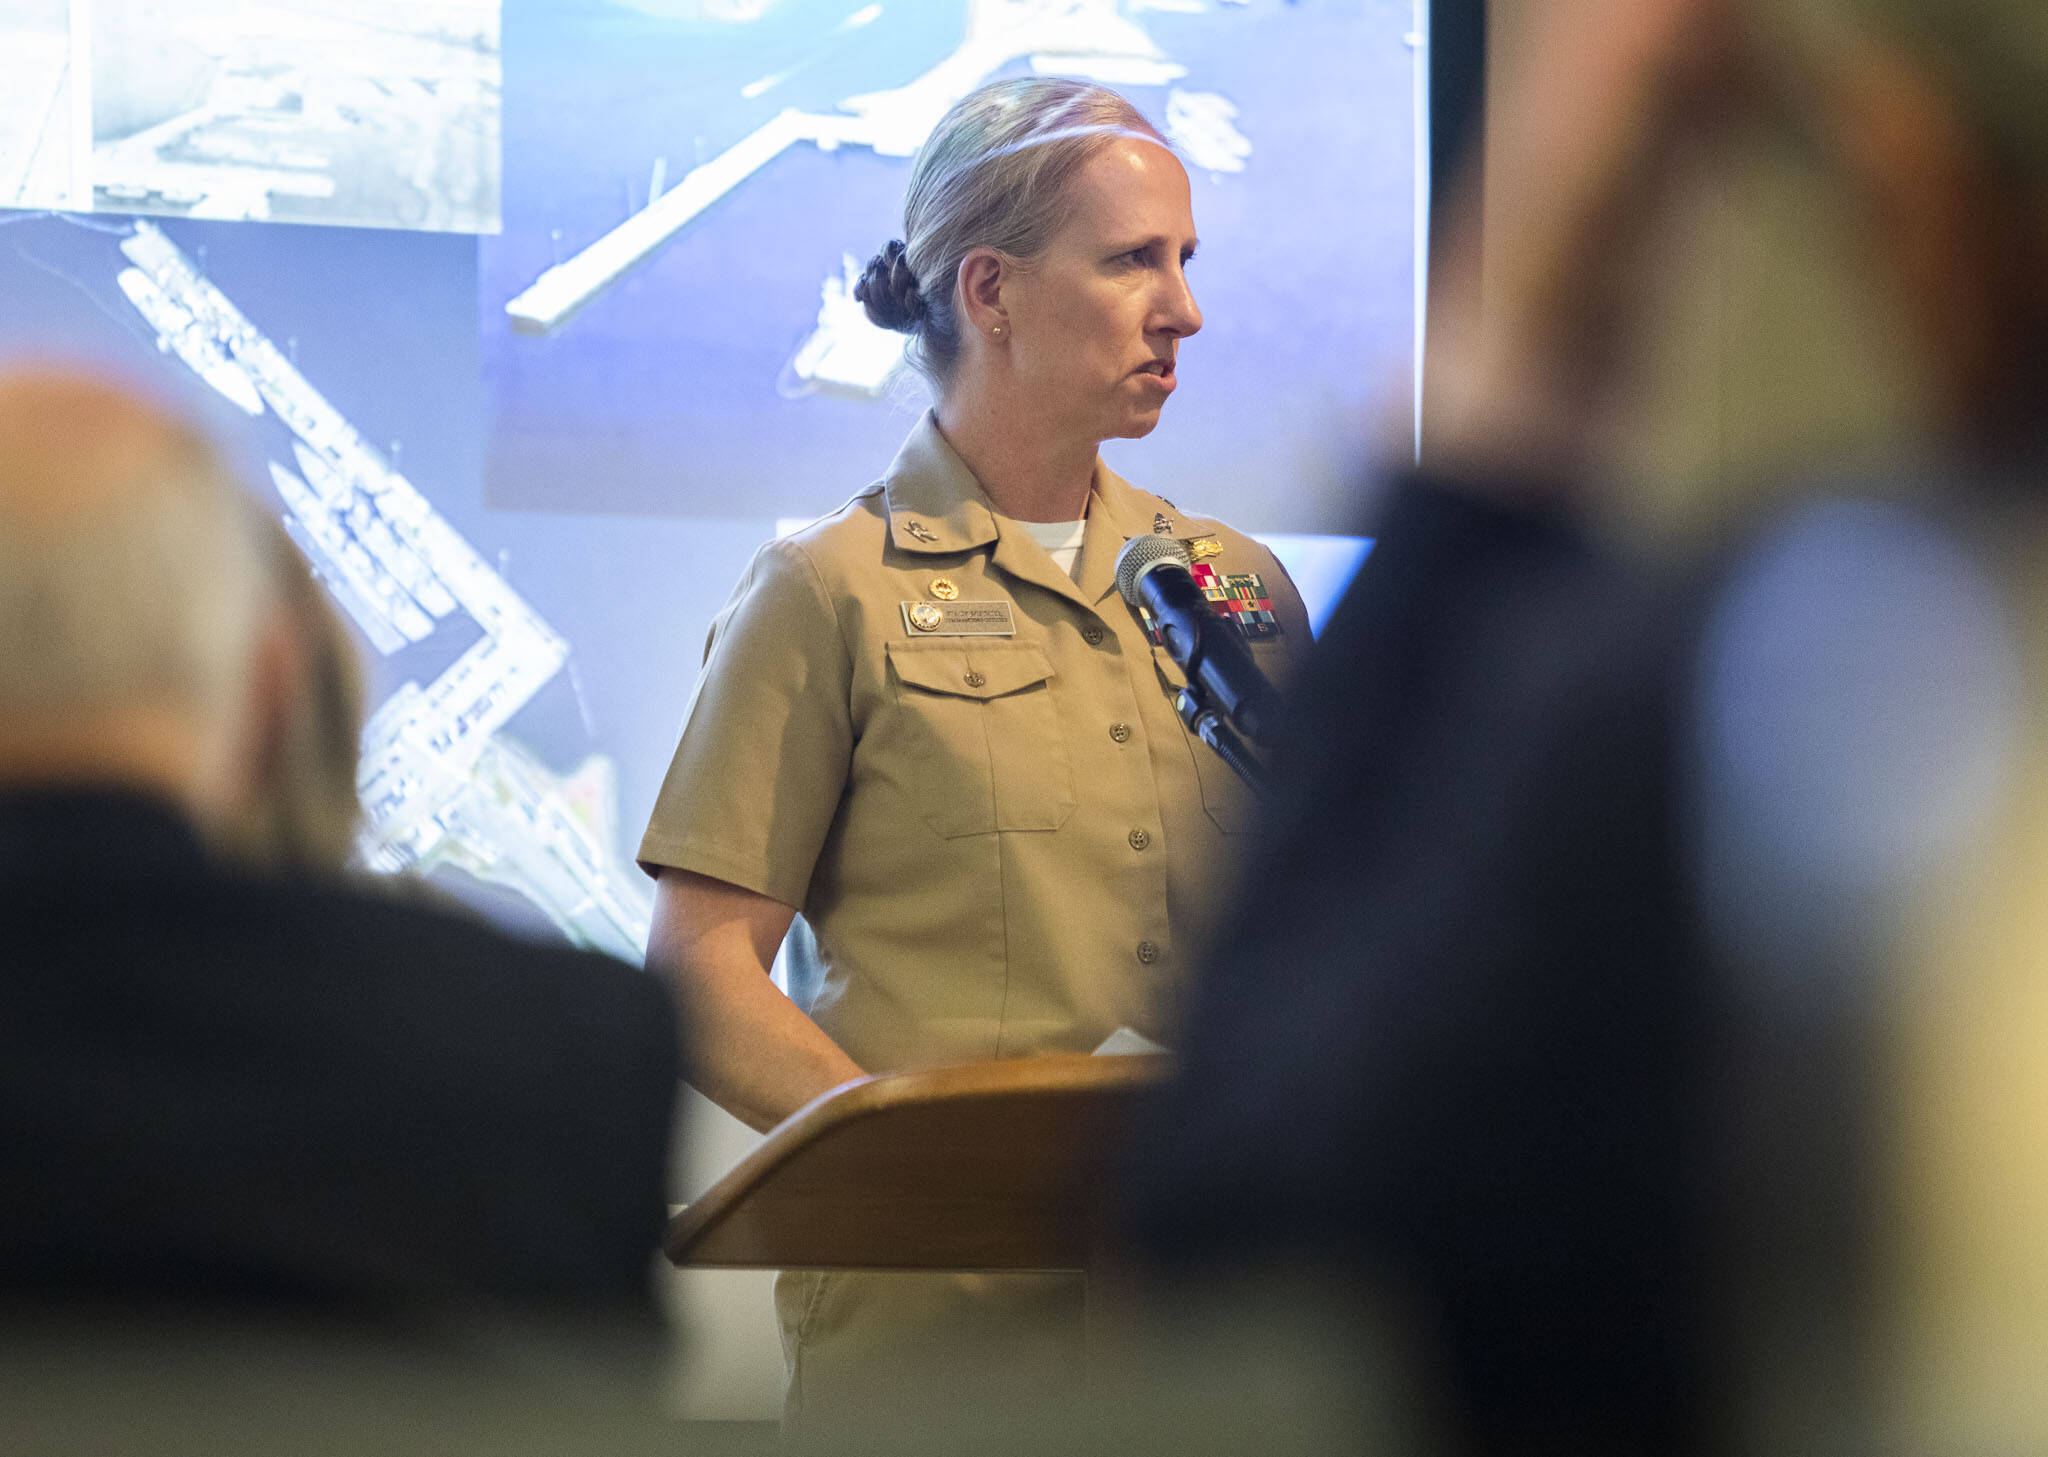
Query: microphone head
(1141,554)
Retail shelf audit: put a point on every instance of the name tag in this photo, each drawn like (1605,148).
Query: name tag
(959,619)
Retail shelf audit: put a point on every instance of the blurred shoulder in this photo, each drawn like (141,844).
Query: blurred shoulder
(1859,694)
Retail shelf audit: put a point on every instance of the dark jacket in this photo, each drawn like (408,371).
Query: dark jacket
(1453,1040)
(215,1084)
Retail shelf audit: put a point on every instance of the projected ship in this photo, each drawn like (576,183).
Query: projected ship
(439,780)
(1086,38)
(845,354)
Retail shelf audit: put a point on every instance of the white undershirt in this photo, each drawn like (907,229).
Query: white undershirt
(1061,540)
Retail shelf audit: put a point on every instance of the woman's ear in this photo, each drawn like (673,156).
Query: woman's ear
(982,276)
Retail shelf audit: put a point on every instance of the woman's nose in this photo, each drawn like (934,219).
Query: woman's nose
(1180,315)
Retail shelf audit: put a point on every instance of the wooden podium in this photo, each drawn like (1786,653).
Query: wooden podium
(981,1167)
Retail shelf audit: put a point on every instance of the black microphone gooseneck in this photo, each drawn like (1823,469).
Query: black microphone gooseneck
(1226,694)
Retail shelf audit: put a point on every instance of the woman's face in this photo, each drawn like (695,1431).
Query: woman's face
(1096,319)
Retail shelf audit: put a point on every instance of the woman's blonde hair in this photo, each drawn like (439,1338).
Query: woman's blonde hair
(995,173)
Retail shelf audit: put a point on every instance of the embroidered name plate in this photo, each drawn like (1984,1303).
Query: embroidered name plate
(959,619)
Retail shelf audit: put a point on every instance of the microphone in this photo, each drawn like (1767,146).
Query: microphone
(1152,572)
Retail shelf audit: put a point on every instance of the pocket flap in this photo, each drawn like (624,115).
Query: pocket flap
(986,670)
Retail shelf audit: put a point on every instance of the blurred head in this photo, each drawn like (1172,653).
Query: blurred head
(137,642)
(1047,226)
(1934,110)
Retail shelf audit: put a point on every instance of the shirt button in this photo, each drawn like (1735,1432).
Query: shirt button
(1121,732)
(1091,633)
(1139,839)
(974,679)
(1147,952)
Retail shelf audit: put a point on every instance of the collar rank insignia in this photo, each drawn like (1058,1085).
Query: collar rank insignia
(919,530)
(1160,525)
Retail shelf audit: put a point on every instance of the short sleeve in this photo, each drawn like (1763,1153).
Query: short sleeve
(766,740)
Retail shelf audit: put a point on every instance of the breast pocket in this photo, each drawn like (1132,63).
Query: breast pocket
(981,736)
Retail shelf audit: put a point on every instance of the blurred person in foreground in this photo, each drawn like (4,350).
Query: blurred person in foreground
(1641,1009)
(263,1091)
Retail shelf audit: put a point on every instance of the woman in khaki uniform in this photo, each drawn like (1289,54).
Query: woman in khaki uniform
(929,722)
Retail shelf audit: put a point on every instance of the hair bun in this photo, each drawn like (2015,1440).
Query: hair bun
(888,289)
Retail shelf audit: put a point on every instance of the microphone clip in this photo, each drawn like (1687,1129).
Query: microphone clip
(1206,724)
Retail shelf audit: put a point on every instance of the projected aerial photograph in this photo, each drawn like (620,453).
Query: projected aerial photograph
(529,467)
(693,185)
(372,113)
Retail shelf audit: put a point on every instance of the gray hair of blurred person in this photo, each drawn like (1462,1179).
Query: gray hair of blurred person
(994,173)
(304,813)
(154,596)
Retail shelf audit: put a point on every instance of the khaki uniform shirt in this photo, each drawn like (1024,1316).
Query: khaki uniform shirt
(1005,844)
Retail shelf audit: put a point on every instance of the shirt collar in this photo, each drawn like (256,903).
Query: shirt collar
(936,505)
(1118,501)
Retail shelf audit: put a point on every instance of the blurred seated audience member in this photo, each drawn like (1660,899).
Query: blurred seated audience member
(225,1086)
(1642,1000)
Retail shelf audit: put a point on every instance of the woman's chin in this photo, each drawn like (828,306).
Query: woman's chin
(1136,425)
